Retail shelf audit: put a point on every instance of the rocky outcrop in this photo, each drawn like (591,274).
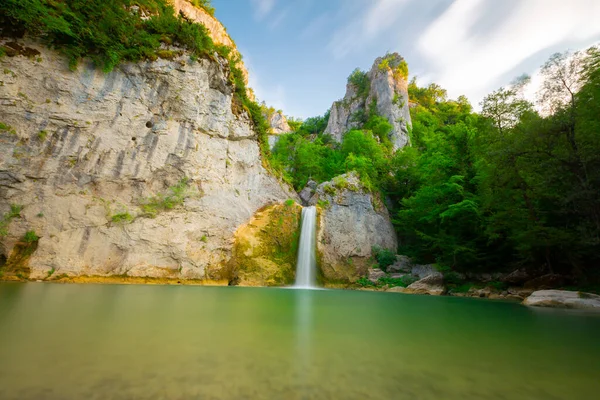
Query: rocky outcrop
(308,192)
(388,90)
(265,249)
(431,284)
(351,222)
(216,30)
(144,171)
(279,125)
(563,299)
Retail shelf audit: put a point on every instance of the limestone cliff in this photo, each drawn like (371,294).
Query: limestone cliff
(144,171)
(351,222)
(216,30)
(388,90)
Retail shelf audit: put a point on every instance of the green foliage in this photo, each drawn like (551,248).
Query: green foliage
(42,135)
(204,239)
(384,257)
(122,218)
(323,204)
(289,202)
(360,80)
(166,201)
(509,187)
(51,272)
(7,128)
(205,4)
(364,282)
(30,237)
(109,31)
(404,281)
(14,212)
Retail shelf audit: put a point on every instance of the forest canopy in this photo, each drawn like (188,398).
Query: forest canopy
(517,184)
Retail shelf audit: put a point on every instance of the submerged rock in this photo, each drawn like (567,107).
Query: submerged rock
(351,222)
(431,284)
(563,299)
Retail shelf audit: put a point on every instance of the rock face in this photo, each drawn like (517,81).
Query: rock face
(388,89)
(351,222)
(563,299)
(144,171)
(266,248)
(307,193)
(279,126)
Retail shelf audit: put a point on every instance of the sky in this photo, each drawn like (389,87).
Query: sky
(299,53)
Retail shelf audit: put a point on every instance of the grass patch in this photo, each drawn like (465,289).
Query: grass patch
(165,202)
(42,135)
(15,212)
(30,237)
(7,128)
(51,272)
(122,218)
(204,239)
(289,202)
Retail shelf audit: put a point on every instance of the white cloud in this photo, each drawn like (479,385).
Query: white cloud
(467,63)
(262,8)
(375,20)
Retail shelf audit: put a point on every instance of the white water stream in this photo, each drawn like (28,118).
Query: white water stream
(307,263)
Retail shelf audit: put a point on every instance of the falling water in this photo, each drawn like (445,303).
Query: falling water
(307,264)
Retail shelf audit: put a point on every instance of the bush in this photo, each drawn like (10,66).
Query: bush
(360,80)
(30,237)
(384,257)
(364,282)
(164,202)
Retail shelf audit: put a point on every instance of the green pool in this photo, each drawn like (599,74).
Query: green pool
(181,342)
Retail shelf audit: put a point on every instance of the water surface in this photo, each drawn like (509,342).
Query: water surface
(181,342)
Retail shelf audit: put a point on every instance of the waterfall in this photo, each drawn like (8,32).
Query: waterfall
(307,262)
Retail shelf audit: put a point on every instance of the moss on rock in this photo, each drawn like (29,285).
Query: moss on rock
(266,248)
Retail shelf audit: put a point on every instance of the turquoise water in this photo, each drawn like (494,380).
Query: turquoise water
(183,342)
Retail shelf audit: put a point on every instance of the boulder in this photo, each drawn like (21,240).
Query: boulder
(563,299)
(432,284)
(375,274)
(402,264)
(351,222)
(422,271)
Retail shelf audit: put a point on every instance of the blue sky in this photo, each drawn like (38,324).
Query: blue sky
(300,52)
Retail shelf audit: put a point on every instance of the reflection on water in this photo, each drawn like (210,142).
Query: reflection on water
(173,342)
